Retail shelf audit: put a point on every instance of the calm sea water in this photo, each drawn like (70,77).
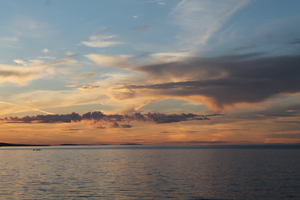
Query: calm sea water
(150,172)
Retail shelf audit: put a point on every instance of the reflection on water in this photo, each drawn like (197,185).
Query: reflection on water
(149,173)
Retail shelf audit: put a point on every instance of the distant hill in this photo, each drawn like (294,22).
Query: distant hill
(16,145)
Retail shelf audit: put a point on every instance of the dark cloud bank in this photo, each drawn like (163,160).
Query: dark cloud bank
(225,80)
(114,119)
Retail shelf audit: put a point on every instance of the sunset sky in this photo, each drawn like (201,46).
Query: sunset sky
(150,71)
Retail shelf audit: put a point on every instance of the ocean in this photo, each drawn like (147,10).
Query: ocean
(151,172)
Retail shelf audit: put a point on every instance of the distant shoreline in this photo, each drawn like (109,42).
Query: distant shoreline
(221,146)
(21,145)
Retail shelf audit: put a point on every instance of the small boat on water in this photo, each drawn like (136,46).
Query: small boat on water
(37,150)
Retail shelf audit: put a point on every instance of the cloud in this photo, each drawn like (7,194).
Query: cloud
(19,76)
(119,61)
(50,100)
(218,82)
(24,107)
(288,122)
(47,57)
(20,62)
(28,27)
(284,135)
(161,3)
(101,41)
(125,126)
(274,112)
(35,62)
(71,85)
(114,119)
(128,61)
(30,101)
(46,51)
(70,54)
(87,87)
(297,41)
(29,62)
(293,111)
(86,75)
(198,142)
(33,69)
(200,20)
(8,39)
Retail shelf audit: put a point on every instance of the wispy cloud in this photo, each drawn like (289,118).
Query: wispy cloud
(284,135)
(48,100)
(71,85)
(114,61)
(86,75)
(29,27)
(33,69)
(293,111)
(19,75)
(46,57)
(87,87)
(19,61)
(129,62)
(200,20)
(161,2)
(30,101)
(9,42)
(25,107)
(8,39)
(101,41)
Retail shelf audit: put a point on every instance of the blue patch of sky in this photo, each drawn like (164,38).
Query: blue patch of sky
(10,89)
(71,22)
(260,27)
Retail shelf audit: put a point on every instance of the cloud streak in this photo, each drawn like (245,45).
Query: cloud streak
(284,135)
(101,41)
(33,69)
(114,119)
(87,87)
(26,107)
(199,20)
(45,100)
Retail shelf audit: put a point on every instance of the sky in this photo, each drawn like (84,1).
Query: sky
(165,72)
